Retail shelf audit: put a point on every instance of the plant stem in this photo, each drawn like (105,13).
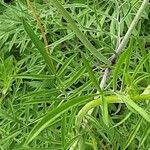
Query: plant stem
(39,23)
(124,41)
(109,99)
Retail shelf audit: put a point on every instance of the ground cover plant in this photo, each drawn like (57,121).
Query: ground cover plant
(74,75)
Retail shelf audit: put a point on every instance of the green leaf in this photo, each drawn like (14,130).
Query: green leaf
(105,115)
(123,120)
(95,82)
(144,135)
(133,133)
(144,59)
(140,78)
(11,135)
(39,45)
(142,45)
(40,93)
(127,61)
(67,37)
(100,129)
(81,88)
(117,69)
(124,58)
(91,74)
(63,129)
(79,34)
(65,65)
(53,114)
(34,76)
(133,105)
(71,142)
(75,76)
(39,100)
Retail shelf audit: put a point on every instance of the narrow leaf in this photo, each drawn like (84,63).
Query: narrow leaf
(133,133)
(65,65)
(53,114)
(39,45)
(117,69)
(91,74)
(144,59)
(137,108)
(79,34)
(105,111)
(34,76)
(123,120)
(144,136)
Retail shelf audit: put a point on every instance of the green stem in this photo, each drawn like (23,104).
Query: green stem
(109,99)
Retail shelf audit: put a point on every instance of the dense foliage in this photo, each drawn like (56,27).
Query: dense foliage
(51,67)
